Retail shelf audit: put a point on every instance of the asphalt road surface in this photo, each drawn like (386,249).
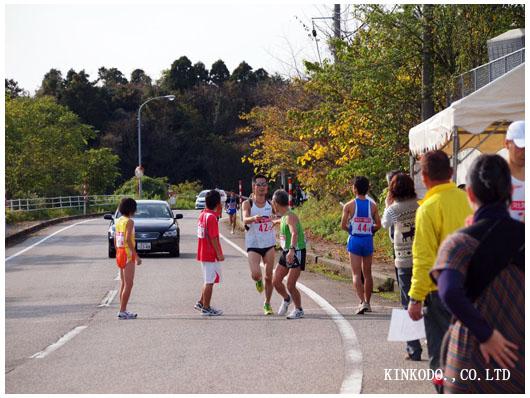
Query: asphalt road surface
(62,334)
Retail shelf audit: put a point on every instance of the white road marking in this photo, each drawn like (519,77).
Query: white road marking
(63,340)
(108,298)
(353,372)
(118,277)
(43,240)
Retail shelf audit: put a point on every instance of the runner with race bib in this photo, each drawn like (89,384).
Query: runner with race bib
(232,206)
(260,237)
(361,220)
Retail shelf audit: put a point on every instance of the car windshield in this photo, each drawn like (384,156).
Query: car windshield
(150,210)
(203,194)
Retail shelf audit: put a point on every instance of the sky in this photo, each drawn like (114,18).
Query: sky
(128,36)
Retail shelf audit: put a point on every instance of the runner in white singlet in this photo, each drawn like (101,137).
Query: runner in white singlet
(260,237)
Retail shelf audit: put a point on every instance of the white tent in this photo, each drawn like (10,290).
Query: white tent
(478,121)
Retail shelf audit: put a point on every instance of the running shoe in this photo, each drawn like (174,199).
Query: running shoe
(267,310)
(126,315)
(297,313)
(198,306)
(369,309)
(259,286)
(211,312)
(361,309)
(285,304)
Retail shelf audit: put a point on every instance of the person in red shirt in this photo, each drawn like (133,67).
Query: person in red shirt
(209,252)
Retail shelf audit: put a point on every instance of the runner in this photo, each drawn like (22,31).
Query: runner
(260,237)
(515,145)
(126,254)
(209,253)
(361,219)
(232,206)
(292,260)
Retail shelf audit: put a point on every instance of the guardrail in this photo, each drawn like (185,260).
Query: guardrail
(61,202)
(477,78)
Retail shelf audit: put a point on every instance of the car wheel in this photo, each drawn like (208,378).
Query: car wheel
(174,252)
(112,252)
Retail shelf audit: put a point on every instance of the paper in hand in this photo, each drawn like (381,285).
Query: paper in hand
(402,328)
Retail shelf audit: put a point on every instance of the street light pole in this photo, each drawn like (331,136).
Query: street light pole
(169,97)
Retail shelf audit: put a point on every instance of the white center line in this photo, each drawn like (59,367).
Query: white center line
(107,300)
(353,372)
(63,340)
(43,240)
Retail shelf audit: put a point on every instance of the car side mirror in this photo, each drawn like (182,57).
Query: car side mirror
(178,216)
(107,216)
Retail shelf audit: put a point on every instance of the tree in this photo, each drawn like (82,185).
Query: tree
(52,84)
(181,75)
(100,170)
(13,90)
(219,73)
(138,76)
(111,77)
(201,73)
(44,148)
(243,74)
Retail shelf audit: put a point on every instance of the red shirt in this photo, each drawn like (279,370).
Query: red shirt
(207,229)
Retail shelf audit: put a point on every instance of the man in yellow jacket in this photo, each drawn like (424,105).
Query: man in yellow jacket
(442,211)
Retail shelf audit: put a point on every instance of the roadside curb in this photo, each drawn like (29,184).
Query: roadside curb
(21,234)
(344,269)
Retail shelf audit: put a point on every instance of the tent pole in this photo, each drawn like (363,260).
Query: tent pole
(455,152)
(411,164)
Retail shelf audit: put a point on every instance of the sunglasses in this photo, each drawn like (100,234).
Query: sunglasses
(260,184)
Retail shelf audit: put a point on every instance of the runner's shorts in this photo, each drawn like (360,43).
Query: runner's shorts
(299,259)
(122,258)
(362,246)
(231,212)
(212,272)
(261,251)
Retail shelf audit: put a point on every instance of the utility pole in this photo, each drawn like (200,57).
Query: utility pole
(336,28)
(427,74)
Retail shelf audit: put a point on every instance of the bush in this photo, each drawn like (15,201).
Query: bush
(13,217)
(152,188)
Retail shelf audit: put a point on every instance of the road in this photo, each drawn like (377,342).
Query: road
(62,334)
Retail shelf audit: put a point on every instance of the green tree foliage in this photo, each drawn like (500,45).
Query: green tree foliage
(152,188)
(12,89)
(353,116)
(44,148)
(219,73)
(100,170)
(243,74)
(181,75)
(52,84)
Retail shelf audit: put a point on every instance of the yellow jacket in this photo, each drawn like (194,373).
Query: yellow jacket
(442,211)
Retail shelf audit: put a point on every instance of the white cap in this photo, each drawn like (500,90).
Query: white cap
(515,133)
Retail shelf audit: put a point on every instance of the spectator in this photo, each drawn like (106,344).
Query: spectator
(401,206)
(515,145)
(480,277)
(442,211)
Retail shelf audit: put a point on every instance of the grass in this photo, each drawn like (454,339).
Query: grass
(394,296)
(319,269)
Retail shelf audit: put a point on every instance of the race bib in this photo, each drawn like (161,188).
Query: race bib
(362,226)
(282,241)
(120,239)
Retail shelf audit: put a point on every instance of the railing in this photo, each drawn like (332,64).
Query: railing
(61,202)
(477,78)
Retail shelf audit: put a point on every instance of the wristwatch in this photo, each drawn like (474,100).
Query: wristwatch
(292,247)
(414,301)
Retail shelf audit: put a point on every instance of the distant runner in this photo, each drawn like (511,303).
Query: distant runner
(232,206)
(260,237)
(292,260)
(515,145)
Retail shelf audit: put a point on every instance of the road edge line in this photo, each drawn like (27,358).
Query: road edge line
(353,373)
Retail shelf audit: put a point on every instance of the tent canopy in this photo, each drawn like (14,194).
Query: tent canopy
(481,118)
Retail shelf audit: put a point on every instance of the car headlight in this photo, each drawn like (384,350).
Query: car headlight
(112,231)
(172,233)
